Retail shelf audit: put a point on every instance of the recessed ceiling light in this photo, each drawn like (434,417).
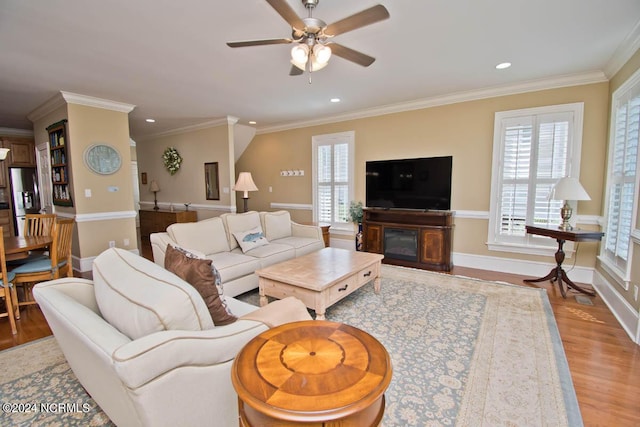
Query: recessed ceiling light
(335,99)
(503,65)
(150,121)
(252,122)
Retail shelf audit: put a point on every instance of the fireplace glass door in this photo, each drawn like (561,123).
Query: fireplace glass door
(401,244)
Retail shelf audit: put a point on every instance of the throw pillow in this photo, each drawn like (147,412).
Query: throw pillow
(199,273)
(250,239)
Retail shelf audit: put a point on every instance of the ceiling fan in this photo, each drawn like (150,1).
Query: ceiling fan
(313,37)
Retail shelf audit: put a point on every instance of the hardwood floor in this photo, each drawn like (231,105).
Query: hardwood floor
(604,362)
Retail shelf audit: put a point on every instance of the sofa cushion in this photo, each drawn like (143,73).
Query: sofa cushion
(232,265)
(272,253)
(239,222)
(139,297)
(207,236)
(277,225)
(250,239)
(302,245)
(200,274)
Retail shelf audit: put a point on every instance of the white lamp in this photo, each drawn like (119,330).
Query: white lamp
(153,187)
(3,153)
(568,188)
(245,183)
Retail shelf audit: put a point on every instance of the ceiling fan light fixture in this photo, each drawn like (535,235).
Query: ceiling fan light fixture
(299,54)
(317,66)
(321,53)
(301,65)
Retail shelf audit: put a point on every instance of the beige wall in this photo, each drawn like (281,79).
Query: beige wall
(463,130)
(87,126)
(188,184)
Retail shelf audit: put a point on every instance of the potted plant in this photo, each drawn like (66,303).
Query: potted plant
(355,215)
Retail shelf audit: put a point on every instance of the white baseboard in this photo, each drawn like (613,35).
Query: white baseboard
(627,316)
(522,267)
(343,244)
(86,264)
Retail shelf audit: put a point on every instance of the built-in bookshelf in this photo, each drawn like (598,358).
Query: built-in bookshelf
(60,176)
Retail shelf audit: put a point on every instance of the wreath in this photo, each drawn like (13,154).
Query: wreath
(172,160)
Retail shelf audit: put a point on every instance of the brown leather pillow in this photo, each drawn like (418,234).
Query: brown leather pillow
(199,274)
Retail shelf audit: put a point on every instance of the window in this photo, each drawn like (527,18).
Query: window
(532,150)
(622,178)
(333,160)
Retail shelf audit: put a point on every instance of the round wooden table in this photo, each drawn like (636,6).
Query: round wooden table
(315,372)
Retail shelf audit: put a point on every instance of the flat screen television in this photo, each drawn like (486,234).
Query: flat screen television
(423,183)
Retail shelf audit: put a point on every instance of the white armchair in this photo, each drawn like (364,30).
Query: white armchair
(164,378)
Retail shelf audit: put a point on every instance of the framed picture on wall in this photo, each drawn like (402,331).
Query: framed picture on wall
(211,181)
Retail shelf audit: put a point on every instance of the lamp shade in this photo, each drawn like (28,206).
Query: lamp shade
(245,183)
(153,187)
(569,188)
(3,153)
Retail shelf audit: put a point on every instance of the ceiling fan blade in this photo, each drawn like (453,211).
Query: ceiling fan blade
(258,42)
(295,71)
(351,55)
(358,20)
(288,14)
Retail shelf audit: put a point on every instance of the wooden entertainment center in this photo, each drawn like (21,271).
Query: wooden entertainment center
(412,238)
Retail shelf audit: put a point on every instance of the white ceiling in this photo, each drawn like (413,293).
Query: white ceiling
(169,58)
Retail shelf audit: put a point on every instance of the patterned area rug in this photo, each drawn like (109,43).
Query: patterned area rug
(465,352)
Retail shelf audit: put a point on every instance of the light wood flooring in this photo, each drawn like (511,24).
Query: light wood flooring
(604,362)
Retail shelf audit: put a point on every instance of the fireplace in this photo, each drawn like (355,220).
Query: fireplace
(401,244)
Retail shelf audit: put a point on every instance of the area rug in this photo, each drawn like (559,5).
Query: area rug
(464,352)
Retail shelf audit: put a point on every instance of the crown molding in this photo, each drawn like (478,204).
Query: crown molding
(624,52)
(63,98)
(49,106)
(90,101)
(454,98)
(16,132)
(190,128)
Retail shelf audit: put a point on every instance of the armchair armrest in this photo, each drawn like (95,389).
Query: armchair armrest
(302,230)
(159,243)
(145,359)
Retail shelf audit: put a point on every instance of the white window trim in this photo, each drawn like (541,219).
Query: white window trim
(621,277)
(349,138)
(534,245)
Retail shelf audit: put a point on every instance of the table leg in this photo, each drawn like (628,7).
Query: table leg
(559,275)
(376,285)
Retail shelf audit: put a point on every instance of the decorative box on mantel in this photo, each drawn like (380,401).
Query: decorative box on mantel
(412,238)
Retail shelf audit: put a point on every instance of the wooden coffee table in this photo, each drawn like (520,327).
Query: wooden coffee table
(321,278)
(314,372)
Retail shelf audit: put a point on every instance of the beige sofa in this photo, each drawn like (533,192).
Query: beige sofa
(215,239)
(142,342)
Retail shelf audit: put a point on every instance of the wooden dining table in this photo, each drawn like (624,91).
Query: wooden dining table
(18,247)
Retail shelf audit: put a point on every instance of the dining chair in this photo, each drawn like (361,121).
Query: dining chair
(39,224)
(57,264)
(35,225)
(8,290)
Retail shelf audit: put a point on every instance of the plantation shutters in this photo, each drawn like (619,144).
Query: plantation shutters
(533,149)
(622,177)
(333,172)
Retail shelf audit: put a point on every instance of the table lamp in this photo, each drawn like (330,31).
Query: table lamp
(153,187)
(245,183)
(568,188)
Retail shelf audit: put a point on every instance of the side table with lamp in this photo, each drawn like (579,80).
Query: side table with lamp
(567,189)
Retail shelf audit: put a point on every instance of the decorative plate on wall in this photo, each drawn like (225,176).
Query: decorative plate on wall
(102,159)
